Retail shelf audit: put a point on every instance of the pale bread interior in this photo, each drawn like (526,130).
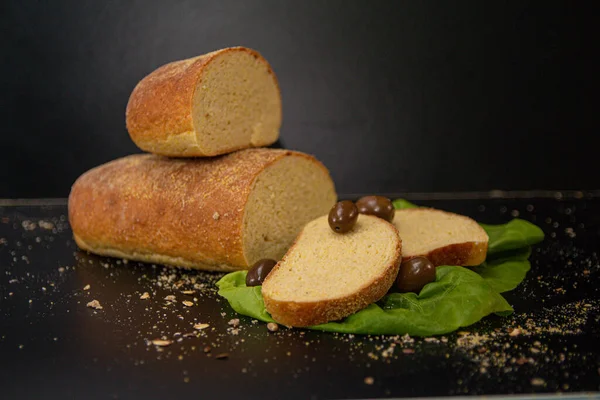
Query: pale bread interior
(424,230)
(285,196)
(324,265)
(236,103)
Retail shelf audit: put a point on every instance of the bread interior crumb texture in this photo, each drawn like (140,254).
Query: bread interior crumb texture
(325,265)
(236,103)
(286,195)
(424,230)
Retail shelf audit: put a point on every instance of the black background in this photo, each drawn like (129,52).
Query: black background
(392,96)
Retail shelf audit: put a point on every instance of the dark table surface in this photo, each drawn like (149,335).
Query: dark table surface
(53,346)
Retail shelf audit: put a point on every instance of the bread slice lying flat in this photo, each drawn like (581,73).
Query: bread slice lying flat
(207,105)
(326,276)
(444,238)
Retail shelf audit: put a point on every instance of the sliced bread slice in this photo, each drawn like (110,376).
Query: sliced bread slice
(326,276)
(443,237)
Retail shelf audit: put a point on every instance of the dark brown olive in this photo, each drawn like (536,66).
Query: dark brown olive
(414,274)
(259,271)
(343,216)
(378,206)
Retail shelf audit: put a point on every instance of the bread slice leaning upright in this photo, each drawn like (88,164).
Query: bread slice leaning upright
(326,276)
(207,105)
(444,238)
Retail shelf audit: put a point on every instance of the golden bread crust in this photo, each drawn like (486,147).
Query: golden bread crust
(159,111)
(469,253)
(462,254)
(186,213)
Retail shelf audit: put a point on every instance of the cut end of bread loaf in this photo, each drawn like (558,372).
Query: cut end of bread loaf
(209,105)
(285,196)
(236,103)
(327,276)
(444,238)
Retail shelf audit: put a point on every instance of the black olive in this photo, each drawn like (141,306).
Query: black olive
(343,216)
(259,271)
(414,274)
(378,206)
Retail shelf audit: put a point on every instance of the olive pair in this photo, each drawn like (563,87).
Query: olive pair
(344,214)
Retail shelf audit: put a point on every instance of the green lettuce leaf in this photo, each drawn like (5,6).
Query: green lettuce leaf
(504,273)
(459,297)
(243,299)
(514,235)
(401,204)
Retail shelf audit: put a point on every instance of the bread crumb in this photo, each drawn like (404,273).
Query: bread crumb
(234,322)
(47,225)
(86,287)
(95,304)
(369,380)
(28,225)
(515,332)
(187,303)
(161,342)
(272,327)
(145,296)
(216,216)
(538,382)
(201,326)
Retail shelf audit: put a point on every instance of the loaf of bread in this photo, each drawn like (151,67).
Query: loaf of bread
(208,105)
(442,237)
(326,276)
(222,213)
